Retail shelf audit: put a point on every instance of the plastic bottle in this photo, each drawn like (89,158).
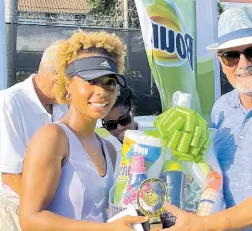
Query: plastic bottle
(210,198)
(137,176)
(121,181)
(175,180)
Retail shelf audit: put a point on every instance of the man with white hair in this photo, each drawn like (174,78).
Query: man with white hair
(232,118)
(24,108)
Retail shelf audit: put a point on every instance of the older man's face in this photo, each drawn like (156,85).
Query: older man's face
(240,75)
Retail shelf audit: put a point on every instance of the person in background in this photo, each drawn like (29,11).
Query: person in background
(24,108)
(119,119)
(121,116)
(68,168)
(232,119)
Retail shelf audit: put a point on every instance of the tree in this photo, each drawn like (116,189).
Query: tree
(103,6)
(113,9)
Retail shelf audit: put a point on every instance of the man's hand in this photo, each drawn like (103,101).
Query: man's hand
(185,221)
(13,181)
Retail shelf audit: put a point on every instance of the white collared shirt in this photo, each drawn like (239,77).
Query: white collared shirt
(21,115)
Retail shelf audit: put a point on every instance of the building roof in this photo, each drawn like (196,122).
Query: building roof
(55,6)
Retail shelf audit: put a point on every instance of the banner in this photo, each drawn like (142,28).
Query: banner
(175,36)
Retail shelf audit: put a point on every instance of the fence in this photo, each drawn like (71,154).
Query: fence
(36,26)
(36,31)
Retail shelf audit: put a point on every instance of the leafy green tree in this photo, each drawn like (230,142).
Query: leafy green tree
(106,7)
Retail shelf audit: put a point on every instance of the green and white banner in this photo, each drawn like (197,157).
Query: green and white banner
(175,33)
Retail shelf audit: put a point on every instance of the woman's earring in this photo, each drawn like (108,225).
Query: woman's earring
(68,97)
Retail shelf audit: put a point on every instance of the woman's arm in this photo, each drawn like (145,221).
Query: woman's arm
(40,179)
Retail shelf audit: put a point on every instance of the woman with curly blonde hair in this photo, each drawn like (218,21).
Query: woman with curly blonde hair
(68,168)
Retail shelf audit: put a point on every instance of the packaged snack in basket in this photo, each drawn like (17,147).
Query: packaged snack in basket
(136,178)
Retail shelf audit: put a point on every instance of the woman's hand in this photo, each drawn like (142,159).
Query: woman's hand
(185,221)
(126,223)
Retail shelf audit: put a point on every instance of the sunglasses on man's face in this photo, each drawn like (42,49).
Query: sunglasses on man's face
(111,125)
(232,58)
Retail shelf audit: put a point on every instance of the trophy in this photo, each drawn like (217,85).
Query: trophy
(151,198)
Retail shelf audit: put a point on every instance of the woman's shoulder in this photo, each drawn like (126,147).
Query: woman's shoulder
(50,137)
(51,131)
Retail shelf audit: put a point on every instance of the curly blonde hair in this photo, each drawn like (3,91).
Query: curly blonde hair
(86,42)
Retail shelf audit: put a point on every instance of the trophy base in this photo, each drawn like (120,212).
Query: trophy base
(152,226)
(156,226)
(168,220)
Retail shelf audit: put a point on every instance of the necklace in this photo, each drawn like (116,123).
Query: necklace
(99,162)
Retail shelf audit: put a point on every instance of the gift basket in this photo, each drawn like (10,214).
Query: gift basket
(173,163)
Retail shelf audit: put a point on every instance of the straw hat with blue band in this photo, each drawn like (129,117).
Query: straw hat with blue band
(93,67)
(234,29)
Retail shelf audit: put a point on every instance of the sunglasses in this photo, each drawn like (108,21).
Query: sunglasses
(111,125)
(232,58)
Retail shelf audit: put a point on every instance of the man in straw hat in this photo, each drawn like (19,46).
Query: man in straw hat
(232,118)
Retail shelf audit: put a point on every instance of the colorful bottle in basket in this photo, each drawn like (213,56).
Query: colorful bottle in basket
(121,181)
(174,179)
(210,197)
(136,178)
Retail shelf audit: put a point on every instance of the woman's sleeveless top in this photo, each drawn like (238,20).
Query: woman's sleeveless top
(82,193)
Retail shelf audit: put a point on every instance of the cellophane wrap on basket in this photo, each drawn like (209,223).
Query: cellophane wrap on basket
(180,153)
